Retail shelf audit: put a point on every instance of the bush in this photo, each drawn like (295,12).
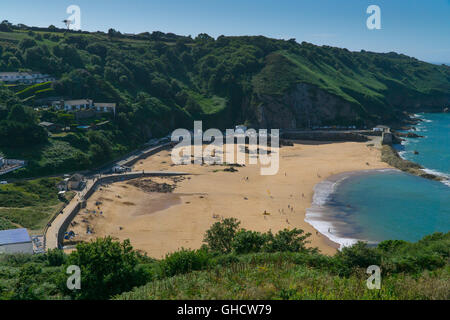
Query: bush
(25,287)
(55,257)
(224,237)
(183,261)
(357,256)
(248,241)
(287,241)
(107,268)
(220,236)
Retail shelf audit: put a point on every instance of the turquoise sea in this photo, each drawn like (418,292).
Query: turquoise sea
(376,205)
(434,148)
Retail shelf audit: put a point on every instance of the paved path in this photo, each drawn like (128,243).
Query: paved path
(51,235)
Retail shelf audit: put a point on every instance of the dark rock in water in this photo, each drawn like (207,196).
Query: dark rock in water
(408,135)
(416,152)
(413,135)
(396,139)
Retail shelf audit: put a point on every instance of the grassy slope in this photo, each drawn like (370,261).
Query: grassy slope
(29,204)
(417,270)
(287,280)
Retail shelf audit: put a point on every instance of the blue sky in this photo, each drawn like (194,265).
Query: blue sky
(417,28)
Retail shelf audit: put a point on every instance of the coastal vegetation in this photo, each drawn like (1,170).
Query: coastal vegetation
(234,263)
(30,203)
(161,81)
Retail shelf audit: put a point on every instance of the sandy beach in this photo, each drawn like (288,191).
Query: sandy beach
(163,222)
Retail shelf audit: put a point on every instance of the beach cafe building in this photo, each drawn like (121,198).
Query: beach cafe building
(15,241)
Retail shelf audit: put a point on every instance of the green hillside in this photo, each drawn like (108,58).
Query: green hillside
(163,81)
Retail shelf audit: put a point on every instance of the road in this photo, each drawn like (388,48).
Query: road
(61,220)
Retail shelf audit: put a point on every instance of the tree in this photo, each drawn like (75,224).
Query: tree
(13,63)
(220,236)
(25,286)
(287,241)
(192,106)
(247,241)
(107,268)
(65,118)
(18,114)
(55,257)
(358,255)
(113,33)
(5,26)
(27,43)
(100,148)
(19,134)
(204,37)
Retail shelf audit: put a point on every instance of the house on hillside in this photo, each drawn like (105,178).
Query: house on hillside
(105,107)
(25,77)
(52,127)
(63,185)
(9,165)
(73,105)
(15,241)
(84,108)
(75,182)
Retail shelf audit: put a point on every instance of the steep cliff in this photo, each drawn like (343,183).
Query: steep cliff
(318,86)
(303,107)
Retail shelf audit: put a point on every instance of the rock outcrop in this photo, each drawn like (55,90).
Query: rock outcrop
(305,106)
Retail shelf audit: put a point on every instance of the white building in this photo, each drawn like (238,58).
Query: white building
(240,129)
(105,107)
(70,105)
(381,128)
(84,104)
(25,77)
(9,165)
(15,241)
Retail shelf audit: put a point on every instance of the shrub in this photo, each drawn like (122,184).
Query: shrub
(25,286)
(220,236)
(287,241)
(357,256)
(183,261)
(107,268)
(55,257)
(248,241)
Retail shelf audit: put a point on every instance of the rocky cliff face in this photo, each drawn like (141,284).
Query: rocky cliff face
(303,107)
(413,101)
(307,106)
